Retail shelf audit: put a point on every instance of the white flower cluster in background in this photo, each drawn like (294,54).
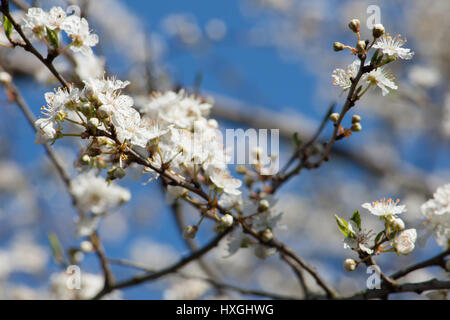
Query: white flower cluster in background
(437,212)
(40,24)
(194,145)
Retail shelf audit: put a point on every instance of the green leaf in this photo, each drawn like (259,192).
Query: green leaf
(375,57)
(297,140)
(57,250)
(356,218)
(343,226)
(8,27)
(378,237)
(52,36)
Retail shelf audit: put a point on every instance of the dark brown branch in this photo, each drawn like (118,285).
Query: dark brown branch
(170,269)
(215,283)
(418,288)
(438,260)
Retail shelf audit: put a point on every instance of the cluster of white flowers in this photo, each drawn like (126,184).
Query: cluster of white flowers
(194,145)
(437,212)
(380,77)
(401,241)
(389,49)
(40,24)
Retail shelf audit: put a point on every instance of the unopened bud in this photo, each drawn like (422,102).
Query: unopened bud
(93,123)
(86,246)
(85,159)
(263,205)
(354,25)
(356,119)
(5,78)
(241,169)
(119,173)
(227,220)
(361,46)
(378,30)
(337,46)
(398,224)
(267,235)
(334,117)
(356,127)
(350,264)
(190,232)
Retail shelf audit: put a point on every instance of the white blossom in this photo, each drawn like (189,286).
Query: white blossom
(383,79)
(94,194)
(437,212)
(383,207)
(342,78)
(223,180)
(78,30)
(392,46)
(358,239)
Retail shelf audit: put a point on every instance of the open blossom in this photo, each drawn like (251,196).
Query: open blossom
(94,194)
(383,207)
(78,30)
(223,180)
(56,18)
(392,46)
(358,239)
(437,212)
(342,78)
(34,22)
(129,126)
(404,242)
(383,79)
(57,108)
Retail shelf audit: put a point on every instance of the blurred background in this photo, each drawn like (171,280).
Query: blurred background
(266,64)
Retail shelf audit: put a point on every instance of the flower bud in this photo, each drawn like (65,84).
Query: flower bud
(227,220)
(119,173)
(5,78)
(190,232)
(93,123)
(378,30)
(334,117)
(85,159)
(241,169)
(361,46)
(356,119)
(398,224)
(404,241)
(356,127)
(354,25)
(267,235)
(263,205)
(447,265)
(350,265)
(86,246)
(337,46)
